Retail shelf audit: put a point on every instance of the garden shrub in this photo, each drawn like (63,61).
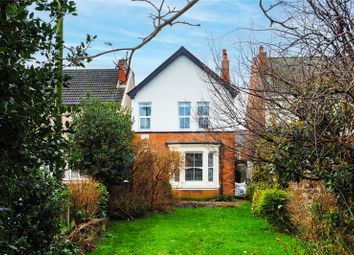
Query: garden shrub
(255,202)
(103,205)
(124,204)
(149,189)
(153,168)
(261,173)
(254,186)
(102,141)
(84,235)
(270,204)
(31,206)
(319,222)
(88,199)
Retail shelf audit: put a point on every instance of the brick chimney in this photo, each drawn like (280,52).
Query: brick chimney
(225,66)
(122,69)
(262,57)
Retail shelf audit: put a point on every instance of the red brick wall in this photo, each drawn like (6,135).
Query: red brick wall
(196,194)
(255,113)
(226,164)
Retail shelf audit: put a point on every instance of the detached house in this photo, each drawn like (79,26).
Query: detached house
(173,107)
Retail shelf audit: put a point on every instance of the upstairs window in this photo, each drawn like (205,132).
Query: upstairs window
(184,113)
(203,114)
(194,166)
(145,115)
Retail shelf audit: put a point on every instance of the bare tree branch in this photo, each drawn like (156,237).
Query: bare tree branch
(160,21)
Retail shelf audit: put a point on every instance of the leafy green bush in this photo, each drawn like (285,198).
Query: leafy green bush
(255,202)
(64,247)
(254,186)
(103,205)
(31,206)
(270,204)
(102,141)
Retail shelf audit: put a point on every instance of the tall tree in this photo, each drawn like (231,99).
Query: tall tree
(305,89)
(32,147)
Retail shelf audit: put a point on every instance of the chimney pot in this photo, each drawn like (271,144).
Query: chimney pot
(262,55)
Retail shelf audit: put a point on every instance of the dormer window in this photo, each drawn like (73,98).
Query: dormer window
(184,112)
(145,115)
(203,114)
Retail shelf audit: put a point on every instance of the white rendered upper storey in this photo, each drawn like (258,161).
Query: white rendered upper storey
(176,97)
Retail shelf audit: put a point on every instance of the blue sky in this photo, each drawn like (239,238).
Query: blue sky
(122,22)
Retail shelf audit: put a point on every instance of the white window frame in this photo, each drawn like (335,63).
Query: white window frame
(194,166)
(204,184)
(203,115)
(145,117)
(211,166)
(184,116)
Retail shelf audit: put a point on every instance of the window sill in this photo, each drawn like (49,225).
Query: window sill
(194,186)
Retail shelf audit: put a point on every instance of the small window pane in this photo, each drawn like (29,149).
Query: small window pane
(203,109)
(145,109)
(203,122)
(189,174)
(189,160)
(210,174)
(198,174)
(210,160)
(187,110)
(198,160)
(144,123)
(211,167)
(184,122)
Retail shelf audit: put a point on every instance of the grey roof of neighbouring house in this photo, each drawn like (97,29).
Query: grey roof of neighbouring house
(284,72)
(101,83)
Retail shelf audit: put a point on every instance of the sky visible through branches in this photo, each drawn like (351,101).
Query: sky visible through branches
(122,22)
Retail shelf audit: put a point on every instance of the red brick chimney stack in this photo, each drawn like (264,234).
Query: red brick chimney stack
(122,71)
(225,66)
(262,56)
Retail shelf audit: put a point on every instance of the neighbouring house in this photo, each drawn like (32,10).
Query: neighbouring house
(173,106)
(106,84)
(270,90)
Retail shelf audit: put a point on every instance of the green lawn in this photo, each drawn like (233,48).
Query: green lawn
(195,231)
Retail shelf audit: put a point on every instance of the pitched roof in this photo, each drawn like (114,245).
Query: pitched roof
(284,72)
(101,83)
(180,52)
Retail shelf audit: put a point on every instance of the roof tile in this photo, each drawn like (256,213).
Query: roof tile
(101,83)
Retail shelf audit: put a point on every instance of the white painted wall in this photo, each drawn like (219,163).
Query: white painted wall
(181,81)
(126,101)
